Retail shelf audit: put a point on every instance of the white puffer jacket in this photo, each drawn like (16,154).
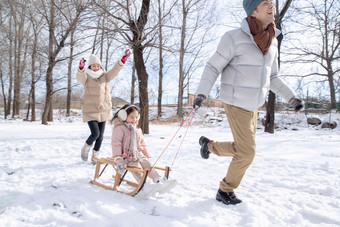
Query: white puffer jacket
(247,74)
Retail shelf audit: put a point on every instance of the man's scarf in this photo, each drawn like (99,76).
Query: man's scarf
(263,38)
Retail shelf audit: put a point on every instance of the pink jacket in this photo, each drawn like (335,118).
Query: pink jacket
(119,131)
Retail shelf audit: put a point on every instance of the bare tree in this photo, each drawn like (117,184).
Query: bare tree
(6,35)
(20,31)
(192,39)
(322,30)
(137,29)
(164,34)
(19,50)
(56,43)
(270,115)
(21,45)
(130,19)
(73,41)
(17,33)
(37,25)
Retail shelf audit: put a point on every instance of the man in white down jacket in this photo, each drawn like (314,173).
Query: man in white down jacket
(247,59)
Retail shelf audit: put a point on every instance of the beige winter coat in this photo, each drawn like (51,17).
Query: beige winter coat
(97,95)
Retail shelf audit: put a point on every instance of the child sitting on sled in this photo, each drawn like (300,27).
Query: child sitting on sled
(129,149)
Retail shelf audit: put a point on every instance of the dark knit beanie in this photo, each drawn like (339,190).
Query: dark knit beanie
(250,5)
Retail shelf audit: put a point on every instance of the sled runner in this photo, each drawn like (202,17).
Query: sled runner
(119,178)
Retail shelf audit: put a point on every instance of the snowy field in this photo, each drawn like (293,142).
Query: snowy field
(293,181)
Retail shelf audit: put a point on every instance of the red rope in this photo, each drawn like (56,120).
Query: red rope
(183,139)
(171,140)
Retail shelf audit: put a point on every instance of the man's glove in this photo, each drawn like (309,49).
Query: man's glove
(198,101)
(296,103)
(126,56)
(82,63)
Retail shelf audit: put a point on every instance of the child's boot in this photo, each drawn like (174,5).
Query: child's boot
(85,152)
(150,189)
(95,154)
(166,185)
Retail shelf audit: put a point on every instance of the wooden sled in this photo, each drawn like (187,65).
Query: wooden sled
(118,178)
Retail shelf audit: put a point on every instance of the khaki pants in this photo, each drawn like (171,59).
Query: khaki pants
(243,127)
(144,163)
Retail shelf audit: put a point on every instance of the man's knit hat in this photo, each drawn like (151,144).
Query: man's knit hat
(250,5)
(94,59)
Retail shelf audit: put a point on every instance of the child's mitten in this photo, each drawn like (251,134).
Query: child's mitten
(82,63)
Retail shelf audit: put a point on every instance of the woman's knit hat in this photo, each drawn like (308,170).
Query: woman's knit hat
(250,5)
(94,59)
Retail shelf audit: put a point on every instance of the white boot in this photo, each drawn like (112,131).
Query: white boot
(85,152)
(166,185)
(150,189)
(95,154)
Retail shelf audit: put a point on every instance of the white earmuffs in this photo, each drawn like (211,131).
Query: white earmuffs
(122,114)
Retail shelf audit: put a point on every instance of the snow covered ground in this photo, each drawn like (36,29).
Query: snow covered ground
(293,181)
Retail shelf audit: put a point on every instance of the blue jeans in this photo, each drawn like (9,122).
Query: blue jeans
(97,134)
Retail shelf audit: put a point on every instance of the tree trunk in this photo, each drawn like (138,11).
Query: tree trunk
(270,115)
(329,67)
(28,106)
(95,37)
(69,77)
(17,74)
(181,63)
(3,93)
(10,68)
(161,65)
(332,90)
(107,53)
(50,110)
(328,58)
(33,69)
(46,116)
(102,39)
(137,28)
(133,84)
(48,97)
(33,115)
(143,89)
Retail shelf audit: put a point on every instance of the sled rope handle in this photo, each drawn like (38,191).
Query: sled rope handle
(172,139)
(183,139)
